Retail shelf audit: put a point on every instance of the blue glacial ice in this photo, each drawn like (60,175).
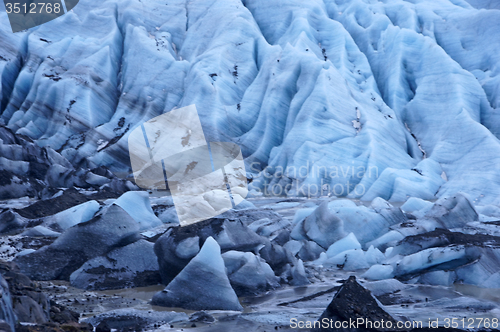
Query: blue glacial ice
(137,205)
(202,284)
(347,243)
(361,99)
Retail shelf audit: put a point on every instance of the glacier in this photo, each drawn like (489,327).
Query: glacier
(382,114)
(358,98)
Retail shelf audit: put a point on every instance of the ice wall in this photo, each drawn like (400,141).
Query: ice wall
(357,98)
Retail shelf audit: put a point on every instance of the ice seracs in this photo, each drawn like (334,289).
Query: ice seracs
(78,87)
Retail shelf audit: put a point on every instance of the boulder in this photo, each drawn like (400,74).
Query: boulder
(352,302)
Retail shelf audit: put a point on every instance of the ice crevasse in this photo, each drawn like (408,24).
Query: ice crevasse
(390,99)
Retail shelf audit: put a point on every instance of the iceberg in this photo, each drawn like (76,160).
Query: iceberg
(347,243)
(202,285)
(137,205)
(248,274)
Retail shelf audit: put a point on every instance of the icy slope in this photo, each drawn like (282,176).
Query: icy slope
(365,98)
